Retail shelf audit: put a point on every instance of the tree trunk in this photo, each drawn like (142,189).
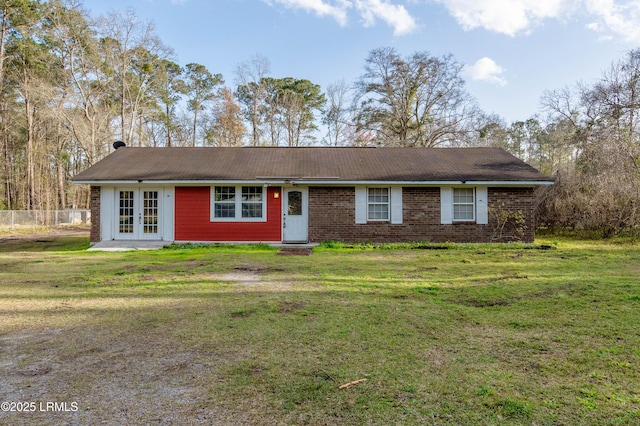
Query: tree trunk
(3,35)
(168,129)
(62,198)
(195,126)
(255,124)
(31,188)
(8,167)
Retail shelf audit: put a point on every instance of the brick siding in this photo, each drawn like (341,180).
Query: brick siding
(332,217)
(94,206)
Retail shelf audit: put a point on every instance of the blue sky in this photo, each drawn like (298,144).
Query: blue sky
(513,50)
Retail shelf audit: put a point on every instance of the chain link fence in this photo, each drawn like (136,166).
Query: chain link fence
(15,219)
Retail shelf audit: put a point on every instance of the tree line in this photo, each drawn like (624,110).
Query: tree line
(71,84)
(590,142)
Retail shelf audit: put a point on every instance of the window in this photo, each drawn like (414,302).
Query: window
(378,204)
(294,201)
(251,201)
(126,212)
(238,203)
(463,204)
(225,202)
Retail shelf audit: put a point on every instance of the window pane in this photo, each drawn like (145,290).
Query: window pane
(378,195)
(378,212)
(251,209)
(225,193)
(463,195)
(251,193)
(225,210)
(463,212)
(294,207)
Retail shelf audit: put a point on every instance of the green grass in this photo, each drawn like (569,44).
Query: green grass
(444,334)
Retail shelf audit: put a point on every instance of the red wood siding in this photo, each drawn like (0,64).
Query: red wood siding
(192,219)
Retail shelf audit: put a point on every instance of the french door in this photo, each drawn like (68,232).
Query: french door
(138,214)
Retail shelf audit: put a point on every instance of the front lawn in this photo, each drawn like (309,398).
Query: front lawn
(443,334)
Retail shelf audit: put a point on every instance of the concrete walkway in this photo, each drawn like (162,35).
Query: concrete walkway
(128,245)
(300,249)
(294,245)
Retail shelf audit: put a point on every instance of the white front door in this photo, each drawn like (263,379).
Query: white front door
(295,215)
(138,214)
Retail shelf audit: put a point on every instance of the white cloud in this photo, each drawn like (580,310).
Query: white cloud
(319,7)
(600,29)
(486,69)
(395,15)
(504,16)
(512,17)
(622,18)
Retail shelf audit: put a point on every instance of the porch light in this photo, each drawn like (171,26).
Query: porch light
(276,193)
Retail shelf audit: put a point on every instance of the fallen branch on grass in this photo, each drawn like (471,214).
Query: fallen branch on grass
(355,382)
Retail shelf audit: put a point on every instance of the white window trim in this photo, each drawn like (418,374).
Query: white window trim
(454,204)
(362,207)
(481,211)
(388,204)
(396,205)
(482,205)
(238,205)
(446,205)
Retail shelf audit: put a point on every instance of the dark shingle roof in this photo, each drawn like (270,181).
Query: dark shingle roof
(311,163)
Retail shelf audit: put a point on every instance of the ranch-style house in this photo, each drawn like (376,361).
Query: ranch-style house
(312,194)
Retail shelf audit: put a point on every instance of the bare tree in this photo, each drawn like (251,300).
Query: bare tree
(28,61)
(130,47)
(597,127)
(337,114)
(414,101)
(252,93)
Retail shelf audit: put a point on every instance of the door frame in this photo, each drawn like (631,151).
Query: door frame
(303,237)
(138,214)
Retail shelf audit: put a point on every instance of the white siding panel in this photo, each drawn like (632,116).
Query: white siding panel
(396,205)
(168,213)
(482,205)
(108,213)
(446,205)
(361,204)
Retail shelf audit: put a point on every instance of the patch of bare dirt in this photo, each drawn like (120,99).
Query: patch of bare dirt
(105,376)
(61,231)
(250,277)
(9,239)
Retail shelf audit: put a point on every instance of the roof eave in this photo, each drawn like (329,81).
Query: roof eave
(510,183)
(526,183)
